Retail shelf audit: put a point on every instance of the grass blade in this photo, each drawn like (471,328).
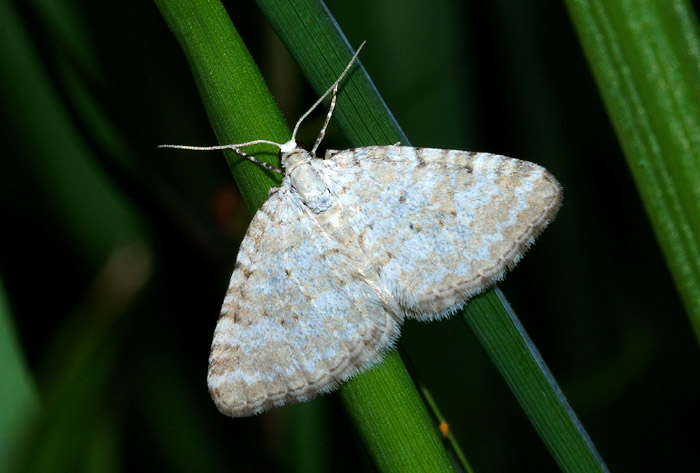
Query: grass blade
(19,397)
(527,375)
(383,401)
(314,39)
(644,56)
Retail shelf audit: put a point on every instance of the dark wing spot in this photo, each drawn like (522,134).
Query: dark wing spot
(419,156)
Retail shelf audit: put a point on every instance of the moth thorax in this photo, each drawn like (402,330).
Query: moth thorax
(307,180)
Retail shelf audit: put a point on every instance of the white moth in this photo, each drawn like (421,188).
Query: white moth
(351,245)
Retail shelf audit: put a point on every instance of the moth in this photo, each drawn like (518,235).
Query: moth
(350,246)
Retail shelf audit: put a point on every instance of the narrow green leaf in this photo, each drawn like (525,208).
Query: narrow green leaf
(234,94)
(645,56)
(241,109)
(18,394)
(521,365)
(447,434)
(314,39)
(391,417)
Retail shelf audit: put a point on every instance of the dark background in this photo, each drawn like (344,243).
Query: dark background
(115,255)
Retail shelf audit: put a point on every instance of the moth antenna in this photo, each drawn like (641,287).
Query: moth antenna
(333,87)
(236,148)
(322,133)
(291,144)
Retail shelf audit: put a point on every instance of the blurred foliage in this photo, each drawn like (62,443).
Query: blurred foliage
(115,256)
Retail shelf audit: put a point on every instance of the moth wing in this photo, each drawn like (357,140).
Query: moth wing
(441,225)
(296,319)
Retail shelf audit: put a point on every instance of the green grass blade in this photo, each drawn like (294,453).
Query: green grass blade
(313,38)
(383,402)
(645,56)
(447,434)
(19,397)
(527,375)
(234,94)
(392,419)
(241,109)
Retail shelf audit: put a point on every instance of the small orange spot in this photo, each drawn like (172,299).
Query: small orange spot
(444,428)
